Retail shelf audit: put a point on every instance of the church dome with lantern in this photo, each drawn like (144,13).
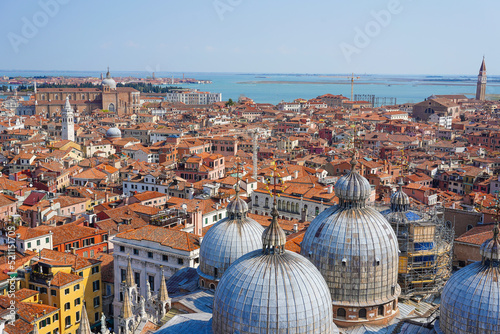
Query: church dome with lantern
(470,302)
(109,81)
(356,251)
(271,290)
(226,241)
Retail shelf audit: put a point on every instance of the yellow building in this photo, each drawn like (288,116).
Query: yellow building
(66,281)
(29,313)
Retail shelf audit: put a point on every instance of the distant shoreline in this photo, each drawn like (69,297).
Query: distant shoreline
(355,83)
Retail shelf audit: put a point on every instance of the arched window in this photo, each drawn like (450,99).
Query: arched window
(279,205)
(288,206)
(469,227)
(56,97)
(111,107)
(362,313)
(381,310)
(202,283)
(340,313)
(267,201)
(212,286)
(317,211)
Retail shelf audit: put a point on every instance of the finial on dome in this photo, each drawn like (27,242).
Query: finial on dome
(273,237)
(108,75)
(354,161)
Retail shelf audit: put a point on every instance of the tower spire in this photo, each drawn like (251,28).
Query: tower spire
(129,277)
(481,82)
(84,324)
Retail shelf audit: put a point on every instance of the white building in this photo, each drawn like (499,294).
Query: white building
(153,250)
(27,238)
(442,121)
(68,125)
(194,97)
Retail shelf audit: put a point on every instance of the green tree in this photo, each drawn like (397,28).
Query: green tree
(229,103)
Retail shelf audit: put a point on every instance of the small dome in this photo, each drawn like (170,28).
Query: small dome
(109,81)
(237,206)
(113,133)
(400,201)
(229,239)
(470,301)
(352,188)
(489,249)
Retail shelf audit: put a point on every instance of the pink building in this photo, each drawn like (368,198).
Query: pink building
(8,206)
(201,166)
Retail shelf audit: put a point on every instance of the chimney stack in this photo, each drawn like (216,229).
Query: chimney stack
(330,188)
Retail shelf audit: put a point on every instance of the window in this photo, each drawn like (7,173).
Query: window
(165,258)
(180,261)
(381,310)
(85,254)
(43,290)
(47,240)
(150,255)
(136,251)
(53,292)
(362,313)
(67,306)
(77,301)
(151,281)
(66,291)
(76,244)
(123,274)
(77,316)
(137,278)
(29,245)
(96,317)
(341,313)
(55,317)
(122,249)
(95,286)
(97,302)
(67,321)
(95,270)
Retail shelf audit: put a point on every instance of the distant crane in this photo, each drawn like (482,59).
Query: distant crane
(352,77)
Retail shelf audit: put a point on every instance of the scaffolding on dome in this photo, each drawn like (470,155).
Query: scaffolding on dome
(426,249)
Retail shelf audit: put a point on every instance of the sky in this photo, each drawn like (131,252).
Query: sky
(252,36)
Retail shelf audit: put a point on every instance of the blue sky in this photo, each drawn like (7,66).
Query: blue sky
(278,36)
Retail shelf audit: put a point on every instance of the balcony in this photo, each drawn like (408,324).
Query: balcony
(41,277)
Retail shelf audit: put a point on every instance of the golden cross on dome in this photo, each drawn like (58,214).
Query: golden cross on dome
(353,141)
(276,179)
(403,163)
(238,165)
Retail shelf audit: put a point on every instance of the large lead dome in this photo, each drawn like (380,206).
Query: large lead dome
(226,241)
(470,302)
(356,251)
(271,290)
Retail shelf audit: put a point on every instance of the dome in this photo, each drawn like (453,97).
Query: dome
(352,188)
(400,201)
(356,251)
(470,302)
(272,290)
(229,239)
(108,81)
(237,206)
(113,133)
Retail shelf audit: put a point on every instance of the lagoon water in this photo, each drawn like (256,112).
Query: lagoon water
(274,88)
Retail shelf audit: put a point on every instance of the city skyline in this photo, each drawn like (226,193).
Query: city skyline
(386,37)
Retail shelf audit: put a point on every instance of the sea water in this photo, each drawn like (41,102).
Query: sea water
(274,88)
